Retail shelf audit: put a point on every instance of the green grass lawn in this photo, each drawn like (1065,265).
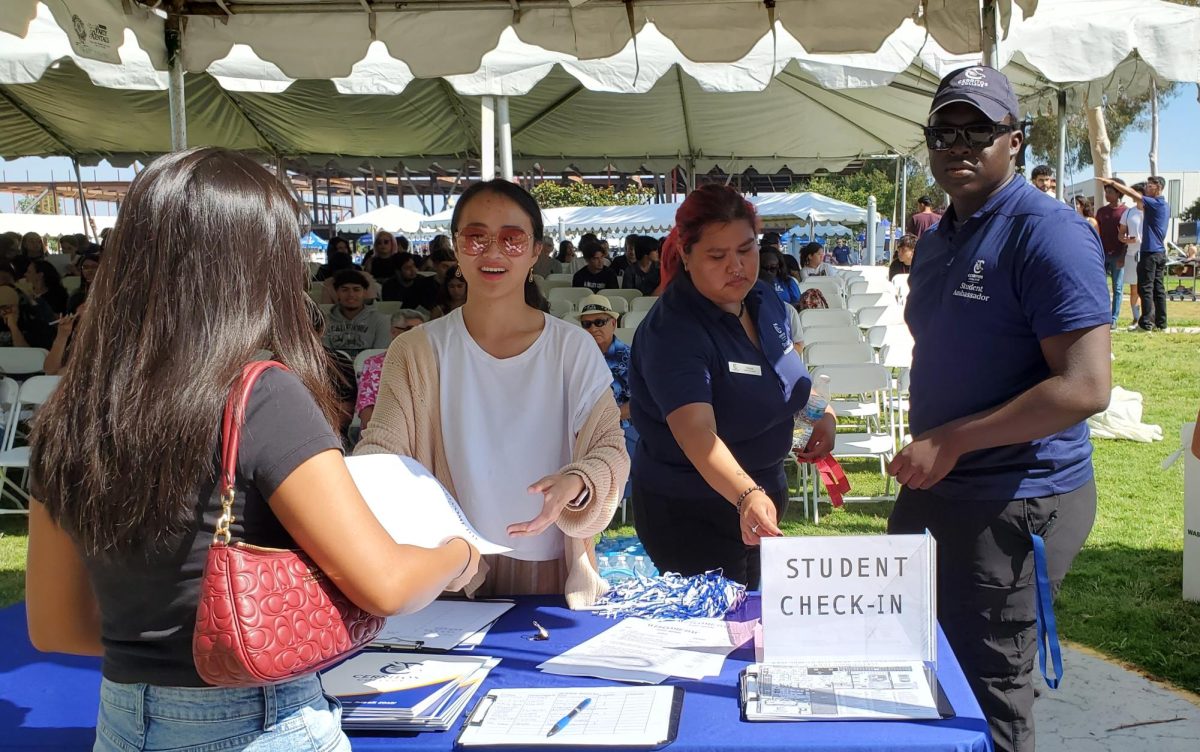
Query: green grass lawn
(1123,596)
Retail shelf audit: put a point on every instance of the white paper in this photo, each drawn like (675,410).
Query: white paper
(617,717)
(650,651)
(838,691)
(371,673)
(442,625)
(411,504)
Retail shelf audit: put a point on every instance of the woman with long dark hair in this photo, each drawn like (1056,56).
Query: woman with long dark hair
(452,293)
(88,265)
(715,380)
(511,408)
(47,285)
(125,457)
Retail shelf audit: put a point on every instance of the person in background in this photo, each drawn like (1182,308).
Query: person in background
(1108,220)
(770,240)
(351,326)
(510,408)
(595,276)
(383,263)
(714,382)
(566,256)
(338,258)
(47,286)
(10,245)
(772,271)
(404,320)
(643,275)
(924,218)
(1083,205)
(628,258)
(902,261)
(408,286)
(1131,236)
(339,370)
(116,548)
(60,350)
(1009,312)
(1043,179)
(33,248)
(1152,255)
(441,258)
(546,263)
(88,264)
(452,294)
(24,324)
(792,265)
(813,263)
(841,253)
(598,319)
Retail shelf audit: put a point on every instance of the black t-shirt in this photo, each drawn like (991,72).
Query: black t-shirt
(606,279)
(148,604)
(383,268)
(420,293)
(621,264)
(33,319)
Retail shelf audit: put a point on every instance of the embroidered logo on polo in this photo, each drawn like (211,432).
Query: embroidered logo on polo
(971,288)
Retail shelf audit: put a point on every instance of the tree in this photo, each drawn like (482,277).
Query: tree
(877,178)
(1192,213)
(552,195)
(1122,115)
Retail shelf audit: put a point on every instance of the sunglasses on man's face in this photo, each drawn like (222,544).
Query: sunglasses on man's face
(474,241)
(595,323)
(975,136)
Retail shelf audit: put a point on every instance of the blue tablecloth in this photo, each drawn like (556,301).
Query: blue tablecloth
(50,701)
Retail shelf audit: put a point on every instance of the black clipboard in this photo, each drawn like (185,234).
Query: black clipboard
(479,706)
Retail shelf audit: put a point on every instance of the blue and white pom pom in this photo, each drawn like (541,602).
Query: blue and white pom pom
(673,596)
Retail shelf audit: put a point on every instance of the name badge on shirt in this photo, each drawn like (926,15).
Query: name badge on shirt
(746,368)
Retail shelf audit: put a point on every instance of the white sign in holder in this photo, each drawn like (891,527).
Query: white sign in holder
(1191,517)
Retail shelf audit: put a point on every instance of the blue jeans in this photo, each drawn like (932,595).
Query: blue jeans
(294,715)
(1118,276)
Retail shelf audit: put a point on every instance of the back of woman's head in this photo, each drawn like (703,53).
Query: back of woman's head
(708,204)
(527,204)
(907,240)
(32,244)
(202,270)
(1085,206)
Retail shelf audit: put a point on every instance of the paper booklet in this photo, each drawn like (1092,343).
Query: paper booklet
(411,504)
(828,691)
(442,625)
(623,717)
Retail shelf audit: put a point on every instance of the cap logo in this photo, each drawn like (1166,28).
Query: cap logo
(975,73)
(972,77)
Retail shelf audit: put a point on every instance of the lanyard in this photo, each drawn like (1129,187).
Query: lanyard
(1047,629)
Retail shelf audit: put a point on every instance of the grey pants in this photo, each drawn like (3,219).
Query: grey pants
(986,601)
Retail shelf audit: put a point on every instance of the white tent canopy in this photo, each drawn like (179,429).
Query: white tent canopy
(391,218)
(779,208)
(52,224)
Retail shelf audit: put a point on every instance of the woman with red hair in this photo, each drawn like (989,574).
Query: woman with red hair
(715,383)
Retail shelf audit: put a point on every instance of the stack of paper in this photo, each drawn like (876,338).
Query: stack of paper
(442,625)
(831,691)
(651,651)
(405,691)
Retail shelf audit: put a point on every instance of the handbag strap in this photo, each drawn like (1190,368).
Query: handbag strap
(231,439)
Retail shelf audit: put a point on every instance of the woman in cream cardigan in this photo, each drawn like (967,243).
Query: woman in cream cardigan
(510,408)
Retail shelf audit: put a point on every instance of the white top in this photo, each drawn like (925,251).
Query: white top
(507,423)
(1132,219)
(824,269)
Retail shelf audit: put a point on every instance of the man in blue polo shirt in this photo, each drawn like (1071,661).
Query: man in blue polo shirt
(1152,257)
(1008,307)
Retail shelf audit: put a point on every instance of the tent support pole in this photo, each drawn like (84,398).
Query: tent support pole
(175,87)
(505,135)
(487,136)
(88,229)
(1153,127)
(872,218)
(1061,166)
(991,34)
(902,169)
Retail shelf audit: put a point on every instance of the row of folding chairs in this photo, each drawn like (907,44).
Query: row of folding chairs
(18,402)
(621,300)
(22,361)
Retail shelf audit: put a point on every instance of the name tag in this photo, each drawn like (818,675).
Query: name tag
(746,368)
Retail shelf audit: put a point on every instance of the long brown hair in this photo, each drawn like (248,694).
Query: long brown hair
(203,269)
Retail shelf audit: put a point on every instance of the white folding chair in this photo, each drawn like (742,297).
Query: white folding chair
(619,304)
(570,294)
(859,301)
(881,335)
(826,317)
(838,354)
(867,285)
(628,295)
(549,285)
(560,277)
(633,319)
(831,334)
(830,287)
(880,315)
(361,358)
(71,284)
(560,309)
(31,395)
(625,335)
(867,383)
(22,361)
(387,307)
(900,284)
(644,303)
(896,356)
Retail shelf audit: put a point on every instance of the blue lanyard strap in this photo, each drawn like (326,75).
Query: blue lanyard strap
(1047,629)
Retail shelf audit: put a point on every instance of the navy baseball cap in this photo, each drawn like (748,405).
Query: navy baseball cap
(986,89)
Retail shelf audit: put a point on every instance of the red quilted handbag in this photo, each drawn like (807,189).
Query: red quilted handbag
(266,615)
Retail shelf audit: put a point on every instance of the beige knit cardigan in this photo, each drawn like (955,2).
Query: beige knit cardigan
(408,421)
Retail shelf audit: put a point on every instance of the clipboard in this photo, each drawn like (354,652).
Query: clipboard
(749,693)
(482,709)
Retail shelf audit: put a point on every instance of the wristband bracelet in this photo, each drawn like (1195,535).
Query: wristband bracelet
(468,564)
(746,493)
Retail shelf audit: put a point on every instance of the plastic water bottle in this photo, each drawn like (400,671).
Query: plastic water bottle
(818,400)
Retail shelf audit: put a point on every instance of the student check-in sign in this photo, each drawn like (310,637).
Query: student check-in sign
(856,597)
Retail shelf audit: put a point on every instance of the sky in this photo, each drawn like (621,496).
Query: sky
(1179,121)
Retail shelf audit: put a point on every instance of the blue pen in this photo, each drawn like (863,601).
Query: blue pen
(562,723)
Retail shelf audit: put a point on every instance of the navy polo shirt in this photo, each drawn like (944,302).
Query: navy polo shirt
(1154,224)
(688,350)
(981,298)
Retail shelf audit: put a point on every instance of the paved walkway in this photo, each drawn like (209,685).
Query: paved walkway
(1102,707)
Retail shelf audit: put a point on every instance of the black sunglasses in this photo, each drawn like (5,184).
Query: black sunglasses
(595,323)
(976,136)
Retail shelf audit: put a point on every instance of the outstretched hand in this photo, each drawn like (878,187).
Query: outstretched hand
(557,491)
